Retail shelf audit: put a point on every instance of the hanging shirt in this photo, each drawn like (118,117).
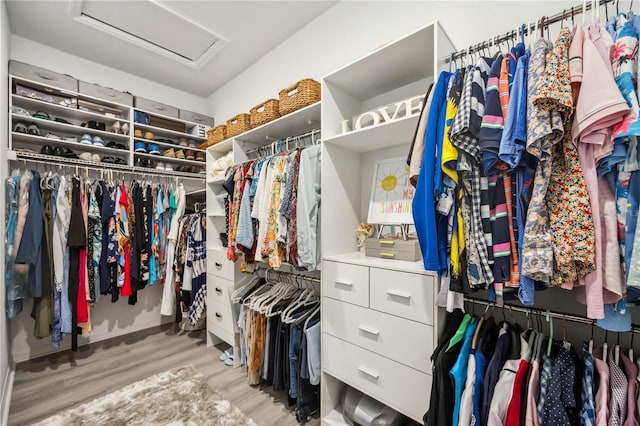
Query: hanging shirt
(631,372)
(602,395)
(559,396)
(618,401)
(492,375)
(588,409)
(459,370)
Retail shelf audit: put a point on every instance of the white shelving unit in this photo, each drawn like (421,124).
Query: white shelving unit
(363,295)
(75,117)
(222,272)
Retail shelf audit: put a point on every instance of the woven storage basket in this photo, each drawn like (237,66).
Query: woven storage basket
(215,135)
(303,93)
(238,124)
(264,113)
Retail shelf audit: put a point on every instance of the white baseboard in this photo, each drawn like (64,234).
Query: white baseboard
(7,389)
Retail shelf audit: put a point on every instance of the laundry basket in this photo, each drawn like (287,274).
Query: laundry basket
(215,135)
(238,124)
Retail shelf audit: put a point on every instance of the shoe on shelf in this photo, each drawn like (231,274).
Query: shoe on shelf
(97,141)
(148,163)
(140,147)
(138,162)
(53,136)
(125,128)
(115,127)
(200,156)
(109,160)
(121,146)
(148,135)
(57,151)
(180,154)
(34,130)
(120,161)
(96,158)
(20,111)
(183,142)
(153,149)
(86,156)
(20,127)
(190,155)
(42,115)
(62,120)
(67,153)
(159,165)
(169,153)
(137,133)
(168,167)
(192,144)
(86,139)
(46,150)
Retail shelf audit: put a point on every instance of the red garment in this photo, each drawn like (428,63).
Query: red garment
(125,291)
(81,301)
(513,410)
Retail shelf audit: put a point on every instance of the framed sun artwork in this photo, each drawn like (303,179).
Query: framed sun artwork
(391,193)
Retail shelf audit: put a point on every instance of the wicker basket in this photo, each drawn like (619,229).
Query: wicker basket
(238,124)
(264,113)
(215,135)
(303,93)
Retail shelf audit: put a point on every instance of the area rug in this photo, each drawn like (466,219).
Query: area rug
(176,397)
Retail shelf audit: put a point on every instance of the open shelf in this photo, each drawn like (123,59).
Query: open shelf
(69,129)
(372,138)
(171,159)
(159,131)
(222,147)
(35,105)
(37,142)
(168,145)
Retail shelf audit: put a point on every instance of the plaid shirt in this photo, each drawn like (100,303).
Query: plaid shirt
(545,378)
(469,166)
(199,306)
(588,409)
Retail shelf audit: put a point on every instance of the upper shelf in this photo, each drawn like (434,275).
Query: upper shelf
(35,105)
(159,131)
(385,135)
(390,66)
(298,122)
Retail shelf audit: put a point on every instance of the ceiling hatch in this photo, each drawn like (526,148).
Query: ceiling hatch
(152,26)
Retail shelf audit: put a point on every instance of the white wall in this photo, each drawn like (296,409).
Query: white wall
(5,342)
(30,52)
(351,29)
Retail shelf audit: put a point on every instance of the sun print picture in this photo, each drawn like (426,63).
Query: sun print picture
(391,193)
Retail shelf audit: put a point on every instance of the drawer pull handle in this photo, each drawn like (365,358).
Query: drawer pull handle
(399,294)
(369,330)
(344,283)
(387,255)
(218,290)
(218,265)
(387,243)
(218,315)
(368,372)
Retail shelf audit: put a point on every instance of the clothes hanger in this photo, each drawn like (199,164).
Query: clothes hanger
(633,333)
(605,346)
(550,321)
(616,351)
(593,323)
(310,317)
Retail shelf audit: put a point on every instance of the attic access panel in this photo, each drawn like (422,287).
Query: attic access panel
(152,26)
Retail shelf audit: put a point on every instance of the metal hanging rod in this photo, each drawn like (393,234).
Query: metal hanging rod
(72,163)
(543,22)
(271,149)
(291,277)
(554,314)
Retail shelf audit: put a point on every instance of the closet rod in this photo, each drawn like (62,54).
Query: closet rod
(280,274)
(543,22)
(554,314)
(116,168)
(312,133)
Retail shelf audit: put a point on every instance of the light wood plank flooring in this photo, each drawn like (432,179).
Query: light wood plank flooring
(54,383)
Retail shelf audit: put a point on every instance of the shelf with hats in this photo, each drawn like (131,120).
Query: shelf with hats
(175,145)
(61,129)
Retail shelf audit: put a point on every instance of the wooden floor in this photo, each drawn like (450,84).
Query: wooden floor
(54,383)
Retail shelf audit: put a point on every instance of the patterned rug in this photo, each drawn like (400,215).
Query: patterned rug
(176,397)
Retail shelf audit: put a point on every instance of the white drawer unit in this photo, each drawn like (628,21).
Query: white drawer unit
(400,387)
(218,289)
(349,283)
(381,333)
(403,294)
(219,316)
(219,265)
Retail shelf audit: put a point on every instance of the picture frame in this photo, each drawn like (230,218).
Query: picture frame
(391,193)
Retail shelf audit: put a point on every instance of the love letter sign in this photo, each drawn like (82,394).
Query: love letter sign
(399,110)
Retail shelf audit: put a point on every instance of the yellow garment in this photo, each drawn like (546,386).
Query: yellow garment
(449,152)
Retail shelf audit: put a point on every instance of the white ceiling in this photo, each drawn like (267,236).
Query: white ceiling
(250,29)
